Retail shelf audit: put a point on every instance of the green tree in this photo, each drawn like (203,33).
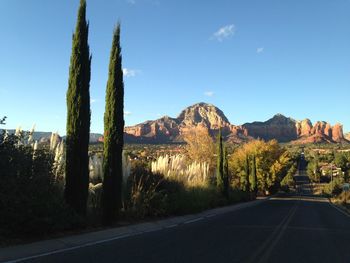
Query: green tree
(341,161)
(113,134)
(225,174)
(313,170)
(220,163)
(246,186)
(78,117)
(253,177)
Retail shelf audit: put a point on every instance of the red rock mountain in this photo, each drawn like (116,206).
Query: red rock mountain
(167,129)
(286,129)
(281,128)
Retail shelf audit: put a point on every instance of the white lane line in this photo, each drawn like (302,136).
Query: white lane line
(62,250)
(194,220)
(72,248)
(341,211)
(211,215)
(94,243)
(151,230)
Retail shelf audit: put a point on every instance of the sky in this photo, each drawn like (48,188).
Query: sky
(250,58)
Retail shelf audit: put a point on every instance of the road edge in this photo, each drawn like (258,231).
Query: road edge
(338,207)
(39,249)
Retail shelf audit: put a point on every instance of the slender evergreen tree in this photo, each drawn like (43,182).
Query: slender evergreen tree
(247,174)
(113,134)
(78,117)
(220,163)
(253,177)
(225,174)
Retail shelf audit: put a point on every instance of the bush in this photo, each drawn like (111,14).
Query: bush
(145,195)
(194,199)
(152,194)
(30,201)
(333,188)
(288,181)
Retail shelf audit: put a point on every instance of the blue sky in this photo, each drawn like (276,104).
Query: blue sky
(251,58)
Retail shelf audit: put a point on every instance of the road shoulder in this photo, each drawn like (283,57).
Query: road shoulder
(53,246)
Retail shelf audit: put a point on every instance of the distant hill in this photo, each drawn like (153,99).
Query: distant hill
(45,136)
(37,136)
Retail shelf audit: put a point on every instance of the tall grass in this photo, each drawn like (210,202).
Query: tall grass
(176,168)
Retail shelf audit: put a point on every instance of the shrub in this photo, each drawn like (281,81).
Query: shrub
(30,201)
(144,196)
(153,194)
(333,188)
(288,181)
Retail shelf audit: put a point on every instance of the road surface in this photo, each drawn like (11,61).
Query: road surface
(282,229)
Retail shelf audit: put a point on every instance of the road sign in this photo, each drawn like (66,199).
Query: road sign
(346,187)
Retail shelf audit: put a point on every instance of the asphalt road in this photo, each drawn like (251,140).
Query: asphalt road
(283,229)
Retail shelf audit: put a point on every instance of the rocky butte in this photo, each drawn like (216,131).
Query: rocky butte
(167,129)
(204,115)
(347,136)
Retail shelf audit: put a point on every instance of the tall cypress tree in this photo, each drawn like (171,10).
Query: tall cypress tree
(113,134)
(225,174)
(220,162)
(78,117)
(253,177)
(247,174)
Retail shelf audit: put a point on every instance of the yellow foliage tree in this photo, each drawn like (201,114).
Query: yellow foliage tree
(200,146)
(271,163)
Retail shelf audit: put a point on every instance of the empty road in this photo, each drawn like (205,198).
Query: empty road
(282,229)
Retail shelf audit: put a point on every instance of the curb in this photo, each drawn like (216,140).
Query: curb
(39,249)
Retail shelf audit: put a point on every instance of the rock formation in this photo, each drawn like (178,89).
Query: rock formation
(279,127)
(167,129)
(286,129)
(347,136)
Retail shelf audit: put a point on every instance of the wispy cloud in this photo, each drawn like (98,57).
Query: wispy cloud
(224,32)
(93,100)
(136,2)
(259,50)
(209,93)
(127,72)
(127,113)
